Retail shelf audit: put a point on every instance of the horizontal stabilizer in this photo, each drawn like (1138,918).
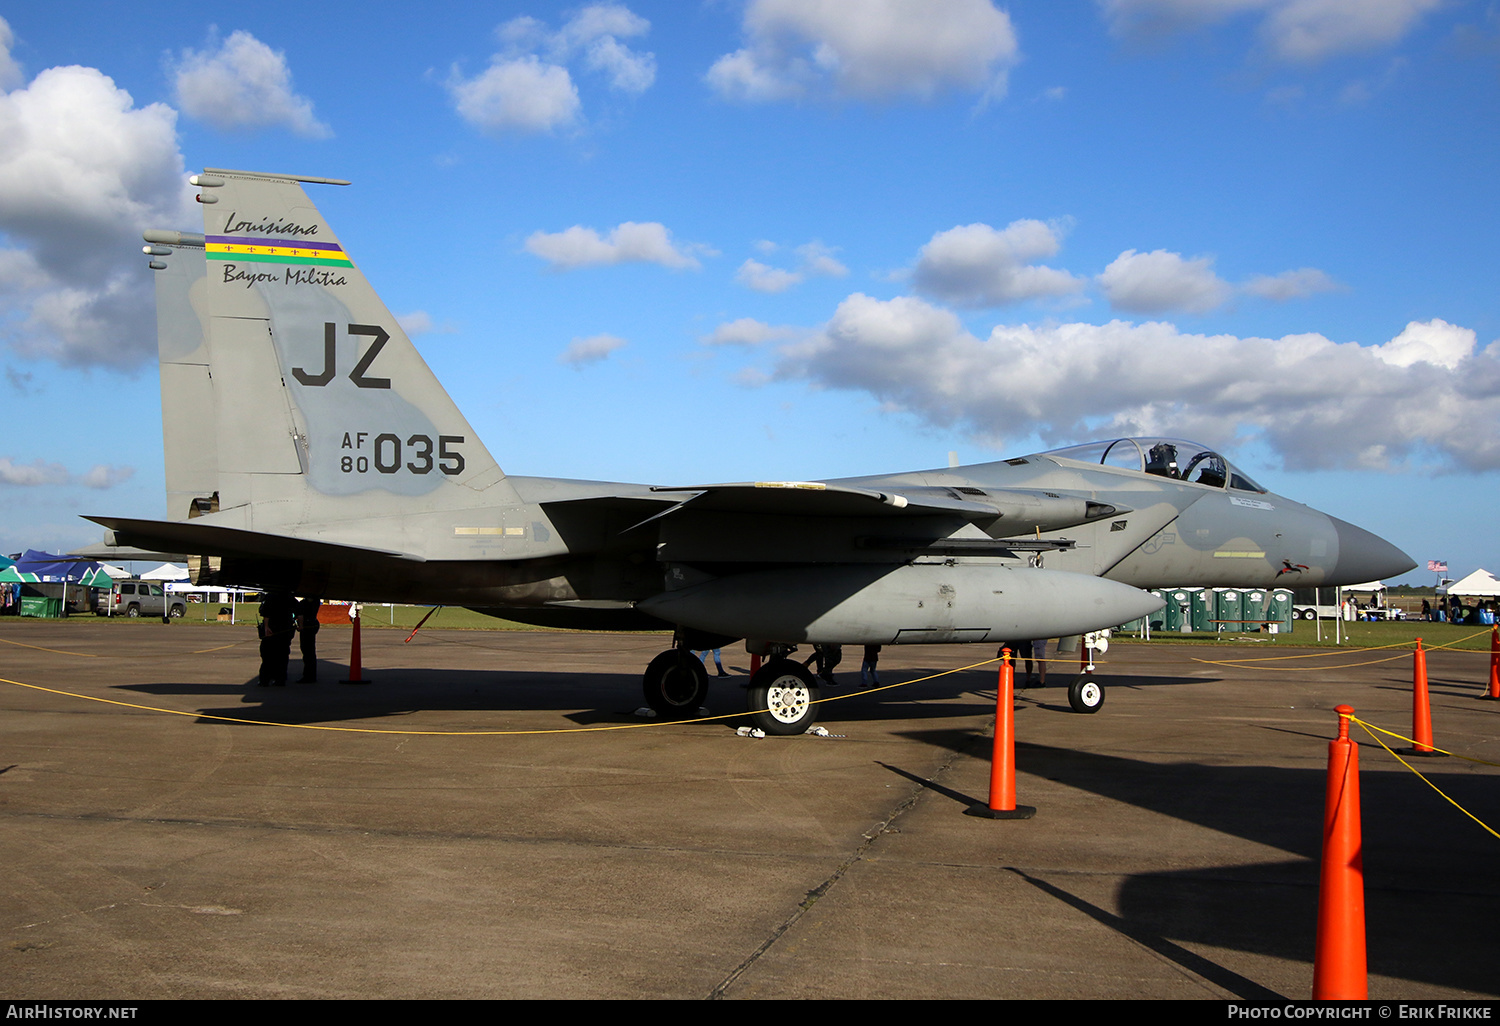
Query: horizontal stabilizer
(208,540)
(107,551)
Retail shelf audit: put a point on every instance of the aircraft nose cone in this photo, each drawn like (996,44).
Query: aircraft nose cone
(1366,557)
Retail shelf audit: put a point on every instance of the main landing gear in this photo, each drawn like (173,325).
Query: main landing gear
(782,696)
(676,684)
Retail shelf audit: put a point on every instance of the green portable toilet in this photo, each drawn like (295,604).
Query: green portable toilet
(1281,611)
(1229,610)
(1254,608)
(1159,618)
(1178,615)
(1205,610)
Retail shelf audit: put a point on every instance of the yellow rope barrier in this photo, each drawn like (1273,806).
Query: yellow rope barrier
(1340,652)
(467,733)
(1371,729)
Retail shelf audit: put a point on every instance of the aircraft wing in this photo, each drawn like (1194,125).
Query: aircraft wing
(1020,511)
(207,539)
(817,499)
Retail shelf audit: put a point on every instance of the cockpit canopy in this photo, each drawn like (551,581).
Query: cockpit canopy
(1173,458)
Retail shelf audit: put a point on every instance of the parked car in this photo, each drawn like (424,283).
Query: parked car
(140,598)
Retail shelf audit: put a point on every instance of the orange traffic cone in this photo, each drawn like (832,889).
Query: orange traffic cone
(1421,707)
(355,668)
(1003,757)
(1339,971)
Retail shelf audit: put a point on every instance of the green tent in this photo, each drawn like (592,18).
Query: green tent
(96,579)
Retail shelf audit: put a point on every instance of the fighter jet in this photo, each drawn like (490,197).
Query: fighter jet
(309,448)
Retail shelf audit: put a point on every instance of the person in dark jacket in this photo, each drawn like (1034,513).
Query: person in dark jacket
(307,636)
(278,622)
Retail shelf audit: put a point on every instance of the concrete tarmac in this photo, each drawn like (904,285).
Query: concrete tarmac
(447,842)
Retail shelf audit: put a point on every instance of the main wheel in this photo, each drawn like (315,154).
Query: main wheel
(1085,694)
(675,684)
(783,698)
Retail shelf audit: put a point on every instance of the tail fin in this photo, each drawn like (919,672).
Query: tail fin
(286,382)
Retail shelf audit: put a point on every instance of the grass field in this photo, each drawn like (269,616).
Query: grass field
(375,616)
(1354,635)
(1305,635)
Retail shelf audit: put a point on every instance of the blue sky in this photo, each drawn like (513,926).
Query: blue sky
(686,242)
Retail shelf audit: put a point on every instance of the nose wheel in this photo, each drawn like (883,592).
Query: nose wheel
(1085,694)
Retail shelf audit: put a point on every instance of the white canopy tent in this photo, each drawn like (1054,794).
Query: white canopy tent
(1479,584)
(166,572)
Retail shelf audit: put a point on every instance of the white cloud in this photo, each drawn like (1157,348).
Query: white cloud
(817,260)
(747,331)
(1436,342)
(630,242)
(1298,284)
(420,322)
(583,351)
(30,475)
(1299,30)
(522,95)
(1316,402)
(37,473)
(10,71)
(628,71)
(976,265)
(82,172)
(244,84)
(1308,30)
(1161,282)
(103,475)
(875,49)
(528,86)
(1137,19)
(764,278)
(598,22)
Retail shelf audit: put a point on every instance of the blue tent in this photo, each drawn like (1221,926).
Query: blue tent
(68,569)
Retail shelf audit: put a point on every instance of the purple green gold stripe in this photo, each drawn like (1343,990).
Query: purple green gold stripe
(275,251)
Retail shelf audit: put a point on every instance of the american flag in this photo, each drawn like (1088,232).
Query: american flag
(1437,566)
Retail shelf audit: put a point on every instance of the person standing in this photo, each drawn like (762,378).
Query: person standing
(278,622)
(307,637)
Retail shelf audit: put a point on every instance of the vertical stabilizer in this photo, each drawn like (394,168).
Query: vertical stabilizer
(287,384)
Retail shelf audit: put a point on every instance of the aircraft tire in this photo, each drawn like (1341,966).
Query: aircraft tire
(676,684)
(1085,694)
(783,698)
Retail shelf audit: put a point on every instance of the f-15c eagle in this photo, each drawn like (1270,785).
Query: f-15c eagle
(309,448)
